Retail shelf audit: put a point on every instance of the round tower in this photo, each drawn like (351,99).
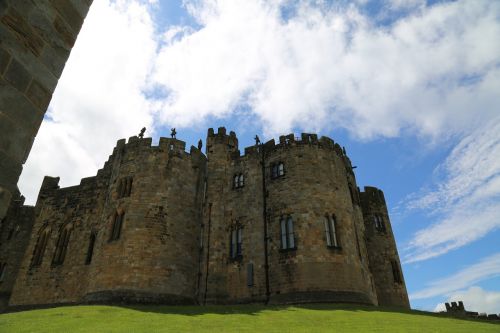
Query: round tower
(146,249)
(316,250)
(383,254)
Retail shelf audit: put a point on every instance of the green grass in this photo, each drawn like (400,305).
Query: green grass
(242,318)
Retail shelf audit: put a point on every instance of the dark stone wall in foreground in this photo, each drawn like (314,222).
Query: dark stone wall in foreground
(36,38)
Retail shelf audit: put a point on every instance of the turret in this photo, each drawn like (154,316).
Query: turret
(382,252)
(220,144)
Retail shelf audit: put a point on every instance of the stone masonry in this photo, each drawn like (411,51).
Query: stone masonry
(282,223)
(36,38)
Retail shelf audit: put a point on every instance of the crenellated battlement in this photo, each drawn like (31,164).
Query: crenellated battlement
(221,138)
(372,195)
(186,206)
(229,144)
(134,145)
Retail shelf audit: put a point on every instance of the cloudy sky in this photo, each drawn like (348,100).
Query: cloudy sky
(410,87)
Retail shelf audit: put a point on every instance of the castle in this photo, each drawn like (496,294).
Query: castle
(282,223)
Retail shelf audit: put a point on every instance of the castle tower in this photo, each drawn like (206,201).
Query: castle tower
(233,251)
(128,234)
(154,197)
(315,252)
(383,254)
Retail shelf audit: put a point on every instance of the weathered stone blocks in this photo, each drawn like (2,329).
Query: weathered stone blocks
(35,40)
(157,225)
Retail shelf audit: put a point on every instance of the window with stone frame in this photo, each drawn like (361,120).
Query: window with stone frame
(41,244)
(116,228)
(235,243)
(238,180)
(124,187)
(331,232)
(277,170)
(3,270)
(62,244)
(90,250)
(379,223)
(287,233)
(396,273)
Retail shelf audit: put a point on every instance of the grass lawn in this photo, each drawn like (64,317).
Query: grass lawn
(241,318)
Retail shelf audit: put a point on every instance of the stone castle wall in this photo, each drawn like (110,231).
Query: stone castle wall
(179,213)
(36,38)
(383,254)
(314,185)
(154,257)
(15,232)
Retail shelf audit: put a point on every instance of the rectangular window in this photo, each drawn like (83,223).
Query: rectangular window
(283,234)
(90,250)
(328,231)
(250,274)
(396,272)
(287,233)
(117,226)
(277,170)
(331,231)
(281,169)
(291,236)
(235,250)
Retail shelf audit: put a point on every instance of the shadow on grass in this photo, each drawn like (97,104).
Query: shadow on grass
(255,309)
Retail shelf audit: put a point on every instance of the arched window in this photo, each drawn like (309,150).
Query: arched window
(62,244)
(287,234)
(117,226)
(238,181)
(90,250)
(331,231)
(124,187)
(40,246)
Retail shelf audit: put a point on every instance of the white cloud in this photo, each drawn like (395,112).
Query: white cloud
(435,71)
(432,72)
(475,299)
(99,96)
(487,268)
(466,202)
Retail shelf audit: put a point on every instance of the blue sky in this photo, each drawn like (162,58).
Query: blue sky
(409,87)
